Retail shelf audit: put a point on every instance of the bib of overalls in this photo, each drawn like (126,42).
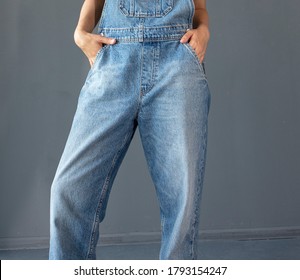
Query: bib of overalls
(146,20)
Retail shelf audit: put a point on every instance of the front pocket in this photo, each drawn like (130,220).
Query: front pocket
(98,55)
(145,8)
(196,58)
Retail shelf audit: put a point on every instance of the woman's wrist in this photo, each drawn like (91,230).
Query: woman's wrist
(204,29)
(80,37)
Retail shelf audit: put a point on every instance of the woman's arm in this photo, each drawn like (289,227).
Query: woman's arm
(199,36)
(84,38)
(201,14)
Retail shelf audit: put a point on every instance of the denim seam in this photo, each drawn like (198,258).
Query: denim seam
(152,39)
(193,236)
(154,75)
(158,33)
(156,63)
(103,193)
(141,72)
(195,222)
(157,27)
(199,191)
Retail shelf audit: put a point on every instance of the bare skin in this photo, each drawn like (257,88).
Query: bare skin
(90,43)
(198,37)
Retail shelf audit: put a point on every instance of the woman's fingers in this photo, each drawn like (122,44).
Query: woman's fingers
(95,45)
(199,48)
(197,41)
(91,43)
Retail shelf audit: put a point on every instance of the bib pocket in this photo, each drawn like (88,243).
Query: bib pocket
(146,8)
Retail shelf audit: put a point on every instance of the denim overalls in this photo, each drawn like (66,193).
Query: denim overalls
(149,80)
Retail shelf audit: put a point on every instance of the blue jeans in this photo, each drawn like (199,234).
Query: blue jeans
(161,87)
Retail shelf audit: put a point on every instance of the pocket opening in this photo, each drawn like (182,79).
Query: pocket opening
(194,54)
(99,54)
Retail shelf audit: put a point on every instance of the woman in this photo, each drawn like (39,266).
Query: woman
(147,71)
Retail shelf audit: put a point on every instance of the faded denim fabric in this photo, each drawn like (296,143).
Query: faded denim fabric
(150,81)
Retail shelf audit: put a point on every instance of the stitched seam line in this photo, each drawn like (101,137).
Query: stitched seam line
(200,182)
(158,28)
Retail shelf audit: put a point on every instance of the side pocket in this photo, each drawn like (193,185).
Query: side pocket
(97,59)
(98,55)
(203,66)
(194,54)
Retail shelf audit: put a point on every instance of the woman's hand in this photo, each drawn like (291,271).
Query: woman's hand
(198,39)
(91,43)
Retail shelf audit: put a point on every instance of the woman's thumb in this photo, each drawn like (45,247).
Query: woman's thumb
(186,36)
(106,40)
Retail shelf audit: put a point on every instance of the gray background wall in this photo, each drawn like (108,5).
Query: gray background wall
(252,174)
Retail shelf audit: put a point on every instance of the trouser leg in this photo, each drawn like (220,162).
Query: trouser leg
(173,124)
(102,129)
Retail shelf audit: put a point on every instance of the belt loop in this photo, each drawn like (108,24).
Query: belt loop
(141,31)
(157,6)
(131,10)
